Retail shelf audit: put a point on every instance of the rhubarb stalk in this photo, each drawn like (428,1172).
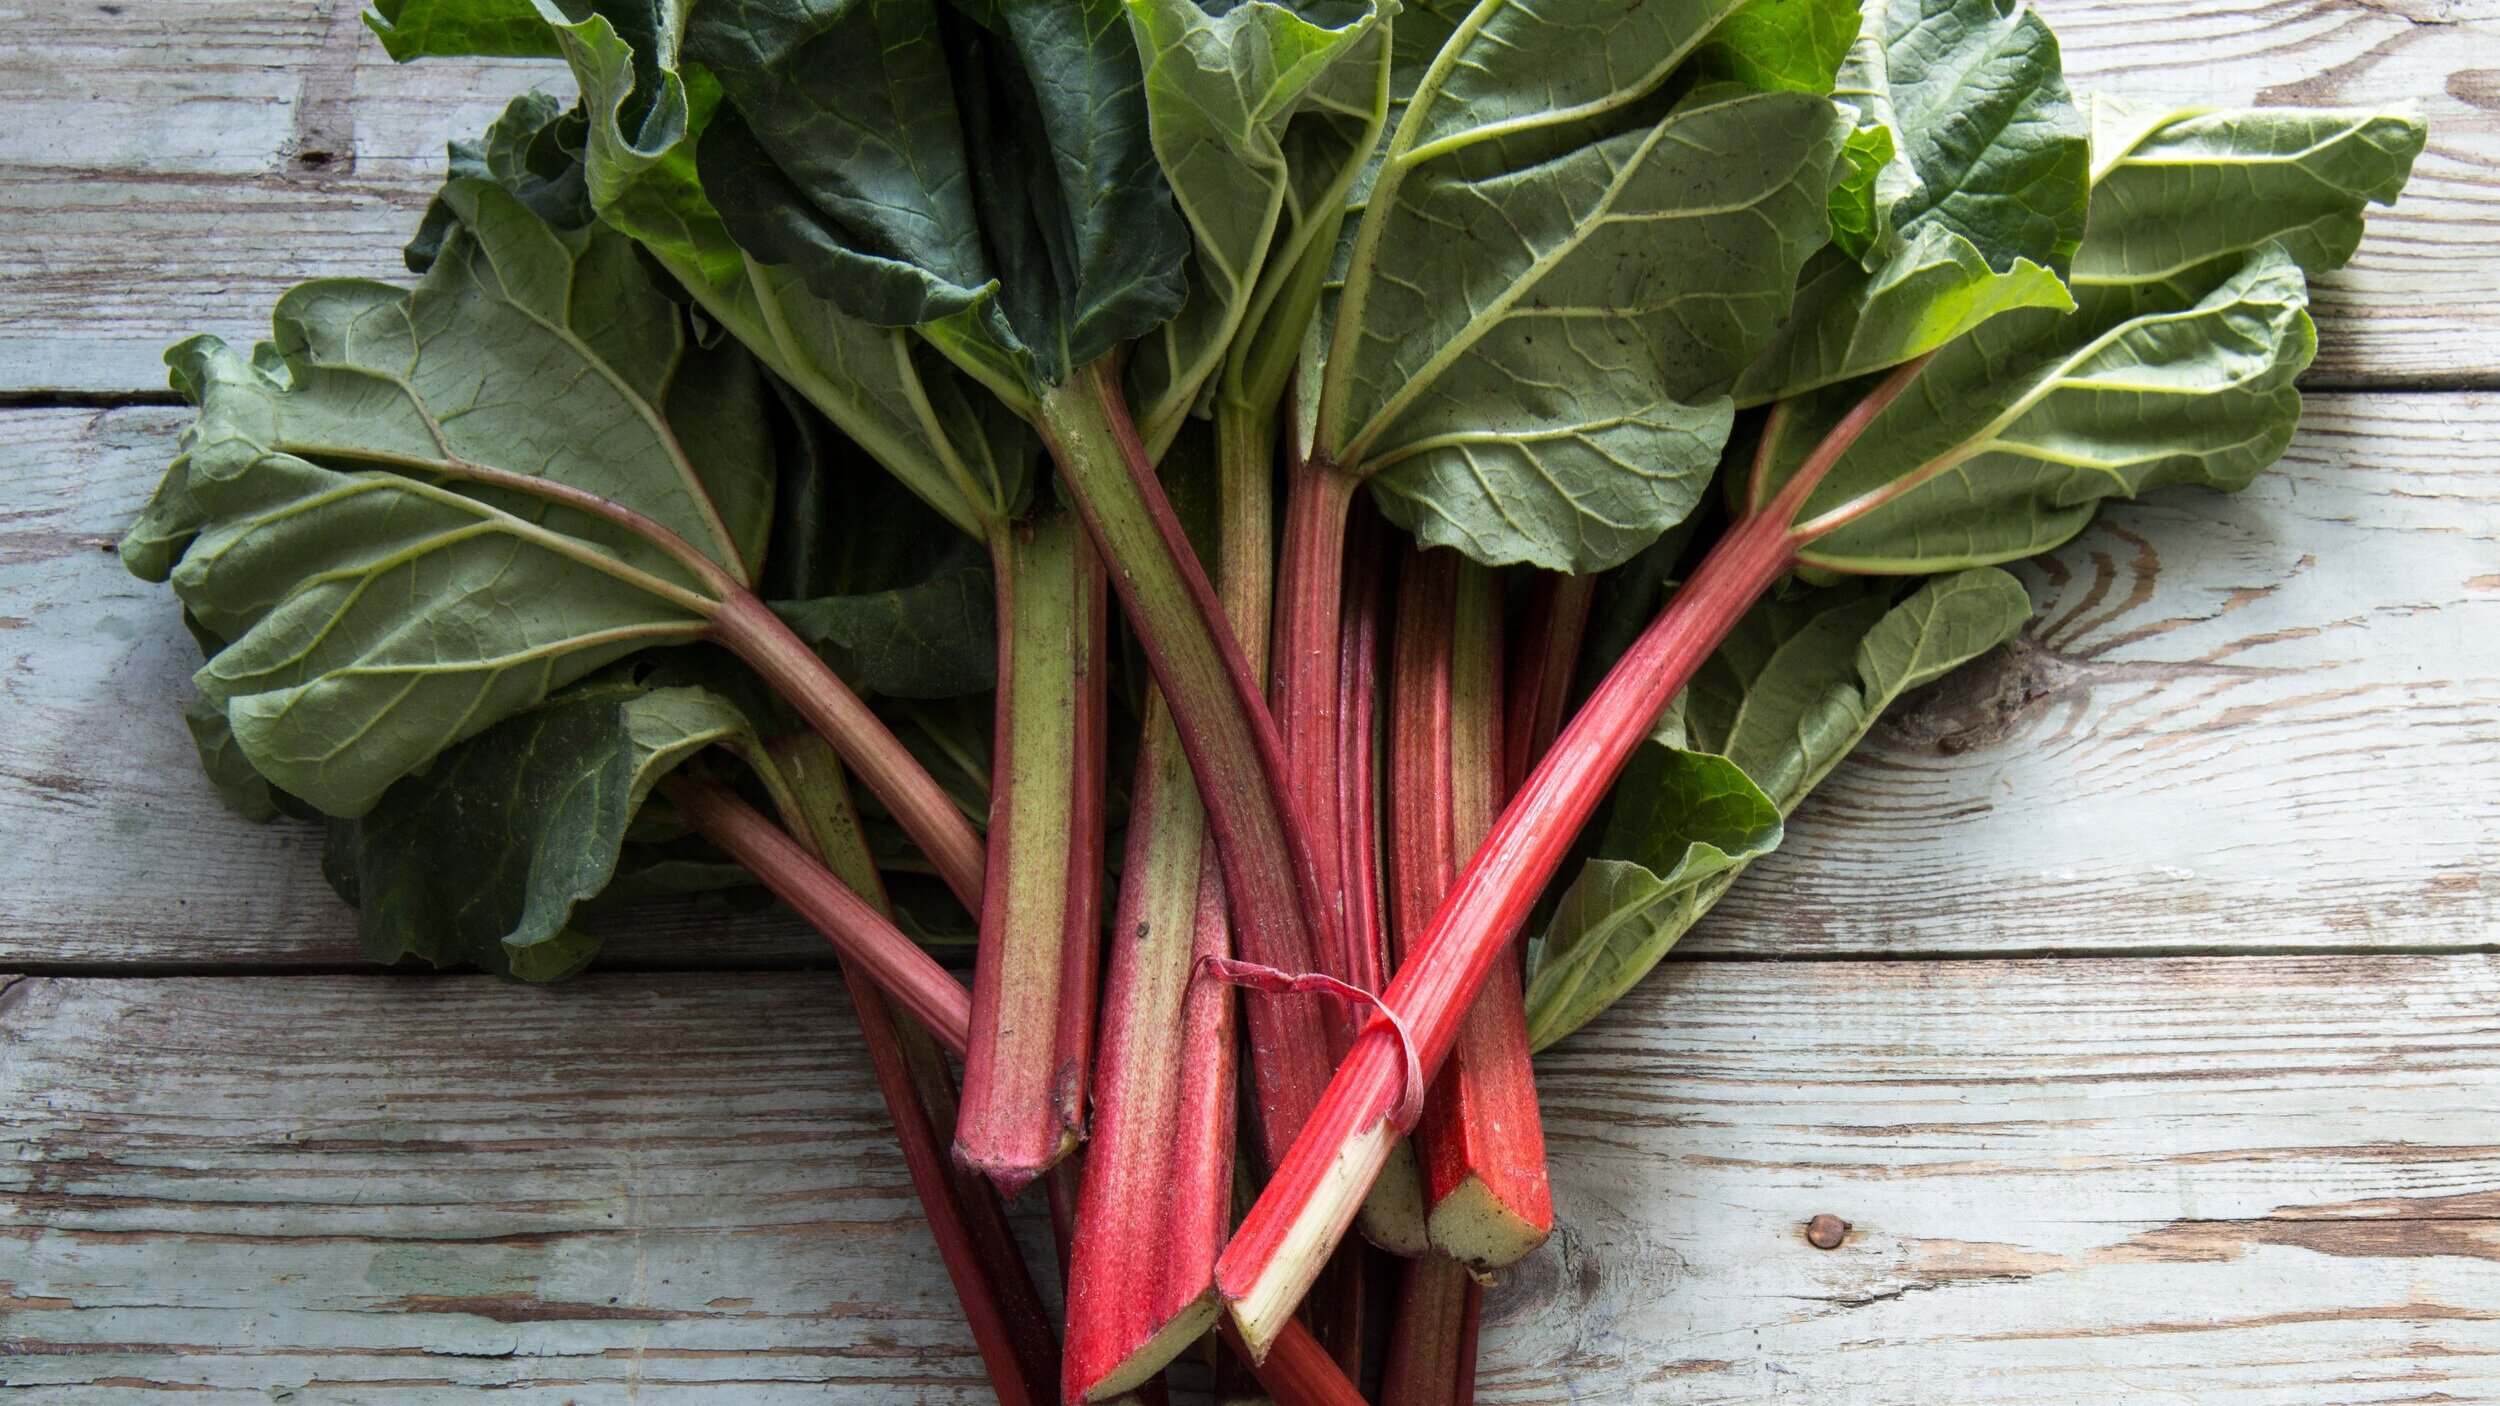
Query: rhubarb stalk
(1432,1342)
(1481,1142)
(1157,1194)
(925,991)
(1033,988)
(1312,1198)
(1009,1326)
(1223,725)
(1556,622)
(748,628)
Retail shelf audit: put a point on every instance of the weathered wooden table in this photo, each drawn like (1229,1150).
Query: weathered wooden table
(2137,1000)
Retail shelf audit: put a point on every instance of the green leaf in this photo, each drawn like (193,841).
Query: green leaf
(1222,93)
(1970,221)
(419,511)
(1850,322)
(934,637)
(1507,70)
(1700,816)
(918,165)
(412,29)
(1981,114)
(531,151)
(1796,685)
(2177,190)
(486,856)
(2006,443)
(1780,45)
(960,454)
(1529,363)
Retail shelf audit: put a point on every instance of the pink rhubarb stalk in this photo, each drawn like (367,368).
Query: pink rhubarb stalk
(925,991)
(1009,1326)
(1222,721)
(1481,1142)
(1312,1197)
(1541,672)
(1041,921)
(1432,1342)
(748,628)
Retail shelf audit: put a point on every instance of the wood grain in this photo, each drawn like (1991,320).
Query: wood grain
(2242,1180)
(174,165)
(2257,722)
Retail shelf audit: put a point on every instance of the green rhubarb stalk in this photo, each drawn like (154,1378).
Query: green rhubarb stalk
(1034,986)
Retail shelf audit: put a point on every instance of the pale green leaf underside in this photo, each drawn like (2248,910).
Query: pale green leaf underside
(2009,439)
(2175,191)
(1981,113)
(1710,819)
(368,530)
(1539,367)
(1221,91)
(1849,322)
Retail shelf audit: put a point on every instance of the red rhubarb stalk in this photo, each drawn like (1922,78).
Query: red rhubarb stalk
(748,628)
(1312,1197)
(1222,721)
(1009,1326)
(1482,1142)
(1156,1201)
(1034,985)
(925,991)
(1157,1194)
(1297,1370)
(1432,1342)
(1540,681)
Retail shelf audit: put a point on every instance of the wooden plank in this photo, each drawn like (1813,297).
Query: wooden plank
(178,163)
(2262,721)
(2241,1180)
(175,165)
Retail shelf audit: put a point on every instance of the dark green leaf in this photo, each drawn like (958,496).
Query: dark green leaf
(962,455)
(485,856)
(991,173)
(533,151)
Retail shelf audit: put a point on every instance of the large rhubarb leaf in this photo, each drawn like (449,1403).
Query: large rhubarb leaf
(2005,444)
(416,512)
(982,171)
(963,455)
(1528,362)
(2006,441)
(1982,116)
(1796,685)
(1964,194)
